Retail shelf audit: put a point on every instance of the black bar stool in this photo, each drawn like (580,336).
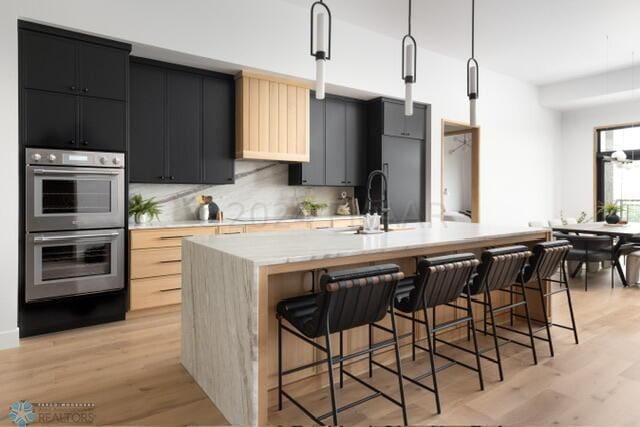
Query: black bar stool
(439,281)
(347,299)
(547,258)
(501,270)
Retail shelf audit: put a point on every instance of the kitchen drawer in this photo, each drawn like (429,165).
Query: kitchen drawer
(318,225)
(165,237)
(155,262)
(339,223)
(155,292)
(231,229)
(282,226)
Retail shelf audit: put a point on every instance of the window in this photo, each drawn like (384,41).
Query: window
(619,181)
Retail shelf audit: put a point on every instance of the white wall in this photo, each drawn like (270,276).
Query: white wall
(518,136)
(9,174)
(578,149)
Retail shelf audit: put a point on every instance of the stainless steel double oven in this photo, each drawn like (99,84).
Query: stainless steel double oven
(75,223)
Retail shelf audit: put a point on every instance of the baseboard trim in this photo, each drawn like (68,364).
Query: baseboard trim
(9,339)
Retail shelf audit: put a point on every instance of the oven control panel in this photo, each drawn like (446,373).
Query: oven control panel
(38,156)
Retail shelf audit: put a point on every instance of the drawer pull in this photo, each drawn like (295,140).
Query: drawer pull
(169,261)
(169,290)
(173,237)
(322,228)
(231,232)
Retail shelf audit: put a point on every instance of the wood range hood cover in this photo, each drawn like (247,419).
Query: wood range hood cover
(272,118)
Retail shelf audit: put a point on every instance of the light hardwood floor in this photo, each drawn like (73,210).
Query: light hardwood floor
(131,371)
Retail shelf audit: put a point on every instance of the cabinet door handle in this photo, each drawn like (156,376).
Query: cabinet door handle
(72,87)
(231,232)
(85,142)
(169,290)
(229,179)
(162,178)
(174,237)
(343,182)
(170,261)
(304,181)
(72,141)
(85,90)
(172,177)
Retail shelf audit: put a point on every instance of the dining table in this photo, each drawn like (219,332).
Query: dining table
(624,234)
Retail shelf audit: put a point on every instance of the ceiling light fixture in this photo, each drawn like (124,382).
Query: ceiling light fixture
(322,52)
(409,67)
(473,71)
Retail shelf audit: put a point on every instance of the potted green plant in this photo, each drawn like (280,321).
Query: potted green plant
(311,208)
(143,210)
(610,210)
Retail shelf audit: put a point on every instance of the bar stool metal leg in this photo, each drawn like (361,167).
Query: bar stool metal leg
(526,311)
(573,319)
(341,361)
(543,304)
(471,327)
(413,336)
(431,359)
(489,306)
(399,367)
(370,354)
(332,387)
(279,364)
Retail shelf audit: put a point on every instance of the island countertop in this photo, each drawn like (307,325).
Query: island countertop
(232,283)
(272,248)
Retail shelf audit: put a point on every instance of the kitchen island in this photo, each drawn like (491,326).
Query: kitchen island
(232,283)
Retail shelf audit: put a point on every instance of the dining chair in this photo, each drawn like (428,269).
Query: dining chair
(589,248)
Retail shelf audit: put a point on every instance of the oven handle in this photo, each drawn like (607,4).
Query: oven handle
(74,172)
(76,236)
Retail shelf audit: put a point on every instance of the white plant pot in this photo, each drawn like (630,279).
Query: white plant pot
(142,218)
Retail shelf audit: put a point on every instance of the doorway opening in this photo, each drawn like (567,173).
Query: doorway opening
(460,172)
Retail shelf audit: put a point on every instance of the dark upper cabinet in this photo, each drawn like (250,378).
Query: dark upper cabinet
(403,162)
(403,158)
(48,62)
(49,120)
(218,103)
(102,71)
(397,124)
(184,127)
(73,90)
(70,65)
(182,124)
(336,141)
(356,143)
(147,113)
(103,124)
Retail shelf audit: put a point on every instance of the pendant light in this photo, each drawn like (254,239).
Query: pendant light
(321,29)
(473,72)
(409,66)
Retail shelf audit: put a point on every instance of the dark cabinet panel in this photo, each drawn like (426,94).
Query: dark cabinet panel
(50,119)
(355,147)
(103,124)
(336,134)
(217,131)
(146,140)
(103,71)
(403,161)
(48,62)
(313,172)
(397,124)
(184,127)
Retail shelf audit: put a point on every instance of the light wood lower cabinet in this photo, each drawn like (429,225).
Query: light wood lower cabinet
(156,291)
(156,256)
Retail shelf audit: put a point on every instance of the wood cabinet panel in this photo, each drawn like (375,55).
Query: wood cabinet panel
(272,118)
(282,226)
(231,229)
(155,262)
(165,237)
(155,292)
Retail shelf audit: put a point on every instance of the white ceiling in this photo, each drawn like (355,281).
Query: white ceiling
(540,41)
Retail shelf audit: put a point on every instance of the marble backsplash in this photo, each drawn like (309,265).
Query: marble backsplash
(260,192)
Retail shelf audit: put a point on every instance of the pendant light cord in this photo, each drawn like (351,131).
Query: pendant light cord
(410,8)
(473,28)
